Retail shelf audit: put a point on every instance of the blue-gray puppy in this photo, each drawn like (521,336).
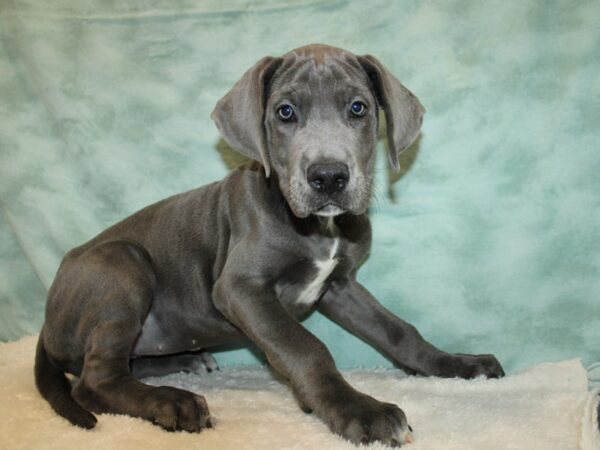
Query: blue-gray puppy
(244,258)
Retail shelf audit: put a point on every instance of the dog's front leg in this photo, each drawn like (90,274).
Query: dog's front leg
(352,306)
(305,361)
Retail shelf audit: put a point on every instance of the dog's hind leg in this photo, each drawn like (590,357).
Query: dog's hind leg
(106,385)
(120,286)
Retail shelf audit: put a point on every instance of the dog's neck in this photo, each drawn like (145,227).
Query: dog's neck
(329,225)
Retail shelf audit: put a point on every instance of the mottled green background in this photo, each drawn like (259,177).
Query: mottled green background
(489,241)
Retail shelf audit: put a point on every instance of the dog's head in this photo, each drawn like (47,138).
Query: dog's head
(311,116)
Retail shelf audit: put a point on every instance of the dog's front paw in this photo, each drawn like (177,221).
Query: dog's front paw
(362,420)
(468,366)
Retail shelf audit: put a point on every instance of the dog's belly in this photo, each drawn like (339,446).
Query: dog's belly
(167,332)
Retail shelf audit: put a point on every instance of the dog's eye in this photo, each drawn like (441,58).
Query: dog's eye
(285,112)
(359,109)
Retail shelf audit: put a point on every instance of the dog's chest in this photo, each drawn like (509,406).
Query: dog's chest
(304,282)
(312,290)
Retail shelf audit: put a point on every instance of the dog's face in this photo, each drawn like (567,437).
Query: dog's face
(321,132)
(311,116)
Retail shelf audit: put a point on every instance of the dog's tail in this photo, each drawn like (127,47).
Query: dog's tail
(56,389)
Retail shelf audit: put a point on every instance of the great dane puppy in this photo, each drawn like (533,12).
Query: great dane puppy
(244,258)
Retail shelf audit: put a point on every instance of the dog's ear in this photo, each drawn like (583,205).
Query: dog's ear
(240,114)
(403,111)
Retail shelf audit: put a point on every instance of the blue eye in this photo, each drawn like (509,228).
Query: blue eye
(359,109)
(285,112)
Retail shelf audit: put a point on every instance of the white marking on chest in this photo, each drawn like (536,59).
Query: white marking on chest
(324,268)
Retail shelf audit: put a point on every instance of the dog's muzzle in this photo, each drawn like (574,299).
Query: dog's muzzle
(328,181)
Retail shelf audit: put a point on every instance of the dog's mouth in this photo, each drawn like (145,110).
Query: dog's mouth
(306,202)
(329,209)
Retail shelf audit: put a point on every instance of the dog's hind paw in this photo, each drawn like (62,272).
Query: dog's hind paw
(205,361)
(175,409)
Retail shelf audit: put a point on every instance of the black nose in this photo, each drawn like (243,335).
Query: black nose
(328,177)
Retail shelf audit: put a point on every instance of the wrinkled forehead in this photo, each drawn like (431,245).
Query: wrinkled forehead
(319,74)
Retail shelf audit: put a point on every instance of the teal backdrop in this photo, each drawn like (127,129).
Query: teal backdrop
(489,238)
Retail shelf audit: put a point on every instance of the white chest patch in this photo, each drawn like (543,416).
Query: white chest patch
(325,266)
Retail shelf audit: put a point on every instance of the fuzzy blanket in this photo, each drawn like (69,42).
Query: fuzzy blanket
(545,407)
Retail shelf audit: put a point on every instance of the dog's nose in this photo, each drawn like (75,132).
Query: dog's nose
(328,178)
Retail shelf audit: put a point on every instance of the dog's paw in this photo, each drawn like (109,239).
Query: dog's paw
(205,361)
(175,409)
(468,366)
(364,420)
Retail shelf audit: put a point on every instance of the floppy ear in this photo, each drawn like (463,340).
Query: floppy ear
(403,111)
(240,114)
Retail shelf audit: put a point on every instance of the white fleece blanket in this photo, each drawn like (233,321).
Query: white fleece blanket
(545,407)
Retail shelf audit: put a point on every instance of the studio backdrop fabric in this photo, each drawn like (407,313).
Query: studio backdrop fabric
(489,238)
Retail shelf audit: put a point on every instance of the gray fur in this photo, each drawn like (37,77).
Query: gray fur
(240,260)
